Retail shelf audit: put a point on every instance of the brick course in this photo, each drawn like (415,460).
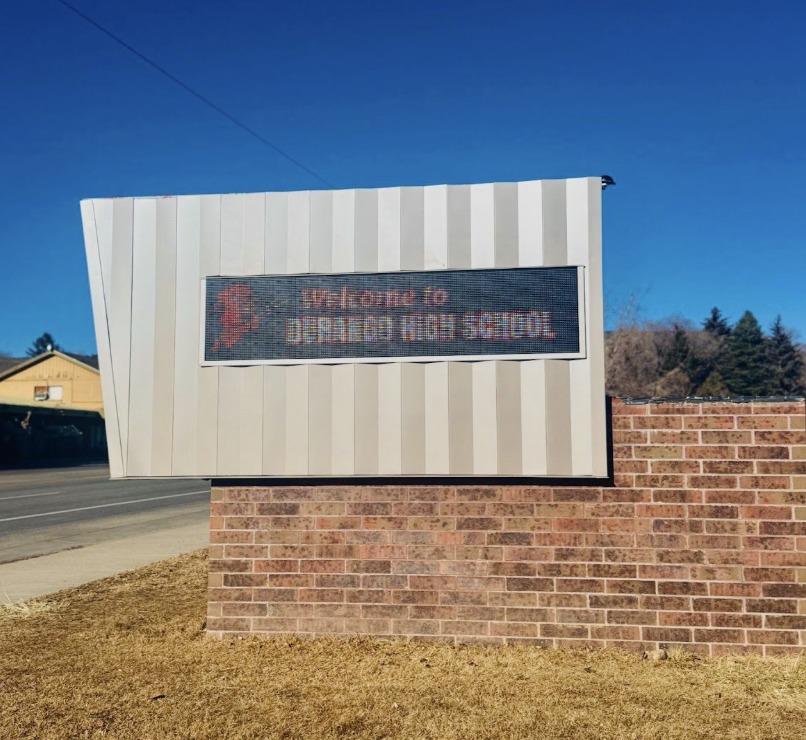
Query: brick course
(700,543)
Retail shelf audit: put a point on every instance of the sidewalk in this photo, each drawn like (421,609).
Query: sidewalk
(28,579)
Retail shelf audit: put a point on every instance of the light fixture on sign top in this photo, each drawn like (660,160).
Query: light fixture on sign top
(607,180)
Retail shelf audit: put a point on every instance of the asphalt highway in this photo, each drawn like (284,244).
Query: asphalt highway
(47,510)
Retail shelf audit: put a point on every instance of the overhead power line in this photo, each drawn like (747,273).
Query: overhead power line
(196,94)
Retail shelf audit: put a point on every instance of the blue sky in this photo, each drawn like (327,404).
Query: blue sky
(697,109)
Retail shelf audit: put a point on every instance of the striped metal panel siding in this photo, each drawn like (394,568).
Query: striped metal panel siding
(168,416)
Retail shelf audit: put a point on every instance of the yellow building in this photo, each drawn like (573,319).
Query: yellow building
(55,380)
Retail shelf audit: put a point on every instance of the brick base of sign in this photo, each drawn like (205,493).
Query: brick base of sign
(700,543)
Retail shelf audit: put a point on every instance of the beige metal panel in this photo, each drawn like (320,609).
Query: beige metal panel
(141,389)
(558,413)
(482,225)
(460,417)
(186,335)
(390,409)
(343,230)
(587,378)
(119,307)
(251,432)
(437,430)
(554,223)
(389,229)
(413,418)
(508,417)
(321,231)
(251,417)
(506,224)
(274,420)
(320,420)
(229,417)
(275,258)
(530,223)
(533,417)
(366,419)
(164,339)
(485,432)
(435,219)
(207,377)
(254,233)
(296,419)
(459,227)
(230,378)
(343,419)
(412,229)
(366,230)
(299,229)
(92,242)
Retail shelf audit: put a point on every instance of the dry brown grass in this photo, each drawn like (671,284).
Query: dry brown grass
(128,658)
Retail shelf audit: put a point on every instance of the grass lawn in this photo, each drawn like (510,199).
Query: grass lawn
(127,657)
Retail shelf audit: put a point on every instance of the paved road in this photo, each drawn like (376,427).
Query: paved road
(49,510)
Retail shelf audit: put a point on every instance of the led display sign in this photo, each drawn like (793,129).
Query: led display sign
(516,313)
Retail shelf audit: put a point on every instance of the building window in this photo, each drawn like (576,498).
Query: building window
(55,393)
(40,393)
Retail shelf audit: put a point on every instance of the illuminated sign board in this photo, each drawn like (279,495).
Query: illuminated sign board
(517,313)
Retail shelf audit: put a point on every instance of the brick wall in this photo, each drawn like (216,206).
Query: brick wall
(700,542)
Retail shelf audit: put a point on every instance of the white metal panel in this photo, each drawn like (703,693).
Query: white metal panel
(254,233)
(389,229)
(230,379)
(343,230)
(275,257)
(321,231)
(435,210)
(533,417)
(299,230)
(530,224)
(164,339)
(92,241)
(482,225)
(587,405)
(186,335)
(119,307)
(207,377)
(250,461)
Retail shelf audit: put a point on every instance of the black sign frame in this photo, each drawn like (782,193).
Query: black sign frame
(206,360)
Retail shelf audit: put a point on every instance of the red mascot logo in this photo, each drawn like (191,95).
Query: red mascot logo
(235,309)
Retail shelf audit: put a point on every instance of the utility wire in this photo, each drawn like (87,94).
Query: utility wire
(193,92)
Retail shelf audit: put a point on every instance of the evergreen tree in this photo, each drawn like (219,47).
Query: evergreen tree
(680,352)
(713,386)
(716,323)
(785,362)
(42,344)
(745,368)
